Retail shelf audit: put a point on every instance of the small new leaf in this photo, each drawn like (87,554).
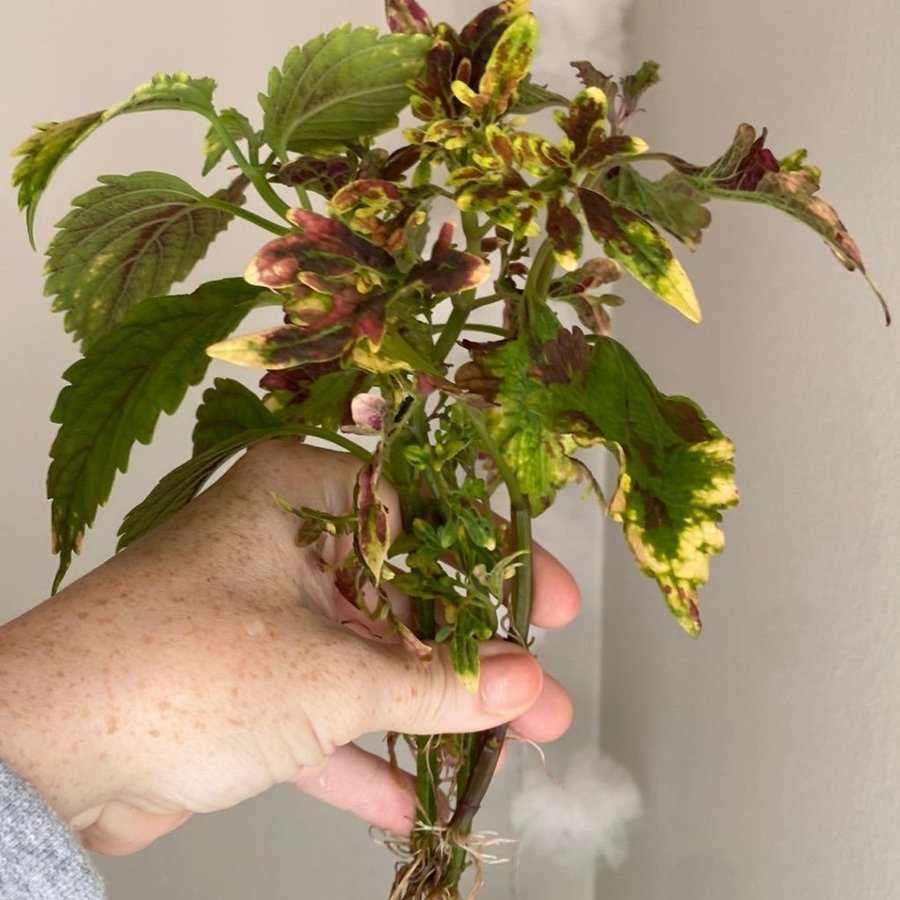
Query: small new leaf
(127,240)
(117,391)
(340,88)
(237,126)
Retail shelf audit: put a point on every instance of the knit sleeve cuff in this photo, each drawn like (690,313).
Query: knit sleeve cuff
(39,857)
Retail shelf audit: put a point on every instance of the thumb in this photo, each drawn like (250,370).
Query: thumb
(429,698)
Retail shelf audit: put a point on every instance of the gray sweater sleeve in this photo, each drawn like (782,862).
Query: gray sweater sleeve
(39,857)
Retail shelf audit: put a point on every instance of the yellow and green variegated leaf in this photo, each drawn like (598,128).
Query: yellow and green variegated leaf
(117,391)
(52,142)
(552,395)
(565,234)
(508,64)
(584,122)
(131,238)
(340,88)
(676,477)
(642,251)
(41,153)
(676,467)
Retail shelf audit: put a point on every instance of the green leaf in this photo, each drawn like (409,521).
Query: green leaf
(671,202)
(237,126)
(531,98)
(228,409)
(117,391)
(638,246)
(52,142)
(127,240)
(182,483)
(340,88)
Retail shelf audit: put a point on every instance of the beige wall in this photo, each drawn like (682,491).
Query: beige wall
(768,751)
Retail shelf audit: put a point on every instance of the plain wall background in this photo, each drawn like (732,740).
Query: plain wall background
(60,60)
(768,750)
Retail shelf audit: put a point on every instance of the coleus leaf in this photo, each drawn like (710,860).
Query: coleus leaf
(373,538)
(532,97)
(237,126)
(748,171)
(408,17)
(676,469)
(479,36)
(638,246)
(507,65)
(449,270)
(52,142)
(540,457)
(318,393)
(675,466)
(340,88)
(127,240)
(320,256)
(565,233)
(576,287)
(671,202)
(117,391)
(228,409)
(182,483)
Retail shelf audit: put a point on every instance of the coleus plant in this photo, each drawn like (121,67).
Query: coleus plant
(377,293)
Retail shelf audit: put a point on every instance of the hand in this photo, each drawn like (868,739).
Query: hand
(206,663)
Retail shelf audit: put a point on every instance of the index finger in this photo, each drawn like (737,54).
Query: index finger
(556,596)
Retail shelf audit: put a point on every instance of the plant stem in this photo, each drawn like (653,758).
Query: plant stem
(256,174)
(241,213)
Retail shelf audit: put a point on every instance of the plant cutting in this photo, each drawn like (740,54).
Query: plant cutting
(389,250)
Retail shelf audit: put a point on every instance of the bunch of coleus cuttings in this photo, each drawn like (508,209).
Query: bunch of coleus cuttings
(467,230)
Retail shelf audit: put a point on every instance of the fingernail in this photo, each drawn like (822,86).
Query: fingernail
(510,682)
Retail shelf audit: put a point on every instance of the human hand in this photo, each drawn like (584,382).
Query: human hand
(208,662)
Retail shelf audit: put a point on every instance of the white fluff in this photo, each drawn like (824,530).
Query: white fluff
(579,29)
(580,818)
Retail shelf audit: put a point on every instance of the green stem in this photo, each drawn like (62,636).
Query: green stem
(256,174)
(539,278)
(486,752)
(242,213)
(452,329)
